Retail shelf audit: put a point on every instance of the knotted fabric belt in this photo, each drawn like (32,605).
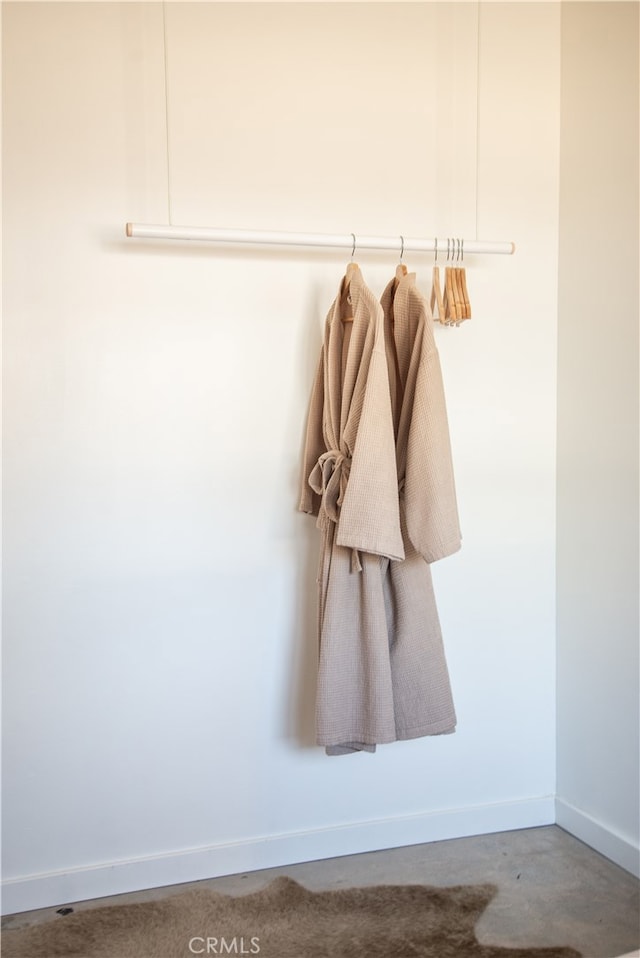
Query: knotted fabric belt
(329,480)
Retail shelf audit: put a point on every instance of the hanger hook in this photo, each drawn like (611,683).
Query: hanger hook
(353,249)
(402,247)
(435,262)
(448,249)
(462,249)
(459,242)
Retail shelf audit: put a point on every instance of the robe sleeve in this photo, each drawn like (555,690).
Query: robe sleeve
(370,513)
(314,445)
(431,509)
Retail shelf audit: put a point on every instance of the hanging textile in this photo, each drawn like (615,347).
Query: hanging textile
(428,514)
(424,463)
(377,474)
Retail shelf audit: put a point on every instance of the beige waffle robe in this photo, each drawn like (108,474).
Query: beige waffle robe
(423,449)
(428,513)
(381,672)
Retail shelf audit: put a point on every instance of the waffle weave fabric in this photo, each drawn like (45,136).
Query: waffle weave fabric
(377,473)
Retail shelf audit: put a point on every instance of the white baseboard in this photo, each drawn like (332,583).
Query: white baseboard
(114,878)
(593,833)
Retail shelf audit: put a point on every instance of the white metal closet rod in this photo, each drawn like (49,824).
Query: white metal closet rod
(338,240)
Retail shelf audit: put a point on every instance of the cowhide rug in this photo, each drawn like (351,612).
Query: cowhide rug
(284,920)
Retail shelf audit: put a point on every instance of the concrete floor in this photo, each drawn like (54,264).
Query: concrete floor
(553,890)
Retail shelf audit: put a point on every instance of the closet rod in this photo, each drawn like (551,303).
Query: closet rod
(340,240)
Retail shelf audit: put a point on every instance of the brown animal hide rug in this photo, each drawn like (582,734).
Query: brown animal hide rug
(284,920)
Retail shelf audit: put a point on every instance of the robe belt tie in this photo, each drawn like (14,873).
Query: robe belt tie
(329,480)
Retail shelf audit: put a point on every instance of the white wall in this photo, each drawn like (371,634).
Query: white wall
(598,678)
(159,586)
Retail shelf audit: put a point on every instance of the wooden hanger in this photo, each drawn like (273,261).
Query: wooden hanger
(463,306)
(449,299)
(458,302)
(450,308)
(457,306)
(461,310)
(401,272)
(436,297)
(351,270)
(463,282)
(436,292)
(401,269)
